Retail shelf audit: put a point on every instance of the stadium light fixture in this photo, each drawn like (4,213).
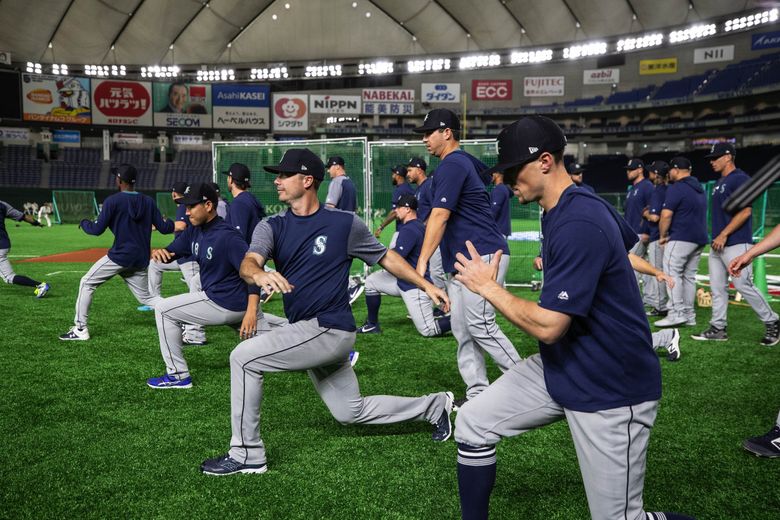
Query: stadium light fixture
(216,75)
(641,42)
(694,32)
(435,64)
(34,68)
(745,22)
(322,71)
(581,51)
(59,69)
(480,61)
(375,68)
(157,71)
(537,56)
(269,73)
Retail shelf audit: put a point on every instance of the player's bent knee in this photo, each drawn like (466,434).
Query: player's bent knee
(466,430)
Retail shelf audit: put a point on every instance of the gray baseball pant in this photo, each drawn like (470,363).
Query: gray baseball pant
(324,354)
(191,273)
(611,445)
(102,271)
(6,270)
(719,281)
(662,338)
(418,303)
(681,262)
(640,250)
(436,269)
(193,308)
(474,326)
(655,291)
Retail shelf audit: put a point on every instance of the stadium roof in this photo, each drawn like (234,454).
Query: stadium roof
(187,32)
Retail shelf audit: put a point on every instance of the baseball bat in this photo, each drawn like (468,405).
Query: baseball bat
(751,190)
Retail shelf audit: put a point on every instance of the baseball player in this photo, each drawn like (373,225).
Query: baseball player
(732,236)
(767,445)
(637,199)
(401,187)
(187,264)
(595,368)
(575,171)
(500,197)
(245,211)
(44,211)
(683,233)
(415,173)
(222,205)
(129,215)
(218,249)
(655,292)
(6,270)
(341,191)
(418,304)
(461,211)
(312,247)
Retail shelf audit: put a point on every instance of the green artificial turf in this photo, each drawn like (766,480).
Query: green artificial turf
(83,436)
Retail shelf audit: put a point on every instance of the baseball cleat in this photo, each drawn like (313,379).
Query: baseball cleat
(353,357)
(226,465)
(772,334)
(443,428)
(369,328)
(673,348)
(712,334)
(656,313)
(168,381)
(439,314)
(193,342)
(41,289)
(145,308)
(670,321)
(355,292)
(767,445)
(75,334)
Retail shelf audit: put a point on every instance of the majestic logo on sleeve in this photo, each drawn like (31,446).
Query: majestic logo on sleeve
(319,245)
(563,295)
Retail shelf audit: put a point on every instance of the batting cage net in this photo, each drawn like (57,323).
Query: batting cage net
(524,240)
(70,207)
(165,204)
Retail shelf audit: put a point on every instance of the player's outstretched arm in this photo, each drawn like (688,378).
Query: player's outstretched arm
(31,220)
(641,265)
(664,223)
(479,277)
(771,241)
(252,272)
(386,222)
(396,265)
(249,323)
(100,225)
(434,231)
(162,256)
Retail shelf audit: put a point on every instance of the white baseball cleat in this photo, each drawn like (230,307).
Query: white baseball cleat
(75,334)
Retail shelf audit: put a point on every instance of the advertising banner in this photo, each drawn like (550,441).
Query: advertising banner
(600,76)
(245,106)
(491,89)
(291,112)
(182,105)
(543,86)
(660,66)
(767,40)
(66,136)
(10,135)
(55,99)
(713,54)
(328,104)
(126,138)
(440,93)
(388,101)
(191,140)
(120,102)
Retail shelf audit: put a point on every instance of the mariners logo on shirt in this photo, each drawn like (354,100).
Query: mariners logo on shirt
(563,295)
(319,245)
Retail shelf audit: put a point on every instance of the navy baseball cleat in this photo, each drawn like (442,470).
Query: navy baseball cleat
(354,292)
(443,427)
(673,348)
(712,334)
(168,381)
(369,328)
(767,445)
(75,334)
(668,516)
(226,465)
(772,334)
(353,357)
(41,289)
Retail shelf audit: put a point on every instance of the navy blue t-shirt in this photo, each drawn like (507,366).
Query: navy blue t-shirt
(408,245)
(637,199)
(129,215)
(181,216)
(219,249)
(500,198)
(342,194)
(398,192)
(314,253)
(244,213)
(7,211)
(458,187)
(424,195)
(687,200)
(724,188)
(656,204)
(605,360)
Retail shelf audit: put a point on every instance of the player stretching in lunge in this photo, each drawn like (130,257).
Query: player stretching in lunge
(6,271)
(312,248)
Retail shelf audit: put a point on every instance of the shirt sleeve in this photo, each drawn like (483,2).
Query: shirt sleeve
(656,202)
(12,212)
(448,185)
(236,249)
(100,225)
(363,245)
(497,198)
(263,240)
(672,200)
(334,191)
(578,253)
(182,244)
(164,227)
(405,242)
(181,213)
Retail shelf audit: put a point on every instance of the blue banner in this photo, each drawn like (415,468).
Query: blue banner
(765,40)
(65,136)
(240,95)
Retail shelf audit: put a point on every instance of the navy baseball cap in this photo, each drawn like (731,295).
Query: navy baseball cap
(335,160)
(407,201)
(399,169)
(126,173)
(179,187)
(575,168)
(239,171)
(439,118)
(198,193)
(681,163)
(721,149)
(417,162)
(214,186)
(635,163)
(660,167)
(299,160)
(525,140)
